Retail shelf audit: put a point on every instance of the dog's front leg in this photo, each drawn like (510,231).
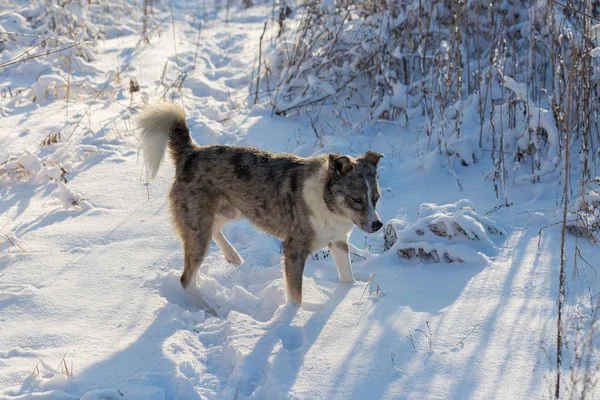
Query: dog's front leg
(341,257)
(295,252)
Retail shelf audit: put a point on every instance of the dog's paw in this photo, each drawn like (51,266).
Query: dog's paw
(198,301)
(234,259)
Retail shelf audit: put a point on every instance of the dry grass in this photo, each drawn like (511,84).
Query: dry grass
(64,368)
(51,138)
(12,242)
(20,173)
(372,286)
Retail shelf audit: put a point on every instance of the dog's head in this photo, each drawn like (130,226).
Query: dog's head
(352,190)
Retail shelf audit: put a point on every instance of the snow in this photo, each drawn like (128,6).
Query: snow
(90,301)
(448,233)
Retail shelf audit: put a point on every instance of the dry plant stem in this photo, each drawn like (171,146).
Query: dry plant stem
(481,105)
(428,335)
(17,10)
(411,339)
(493,152)
(474,330)
(318,100)
(66,368)
(88,109)
(164,73)
(36,369)
(562,274)
(259,61)
(197,43)
(146,38)
(371,278)
(63,365)
(175,49)
(69,83)
(579,256)
(33,47)
(145,24)
(179,80)
(16,244)
(16,61)
(38,37)
(575,10)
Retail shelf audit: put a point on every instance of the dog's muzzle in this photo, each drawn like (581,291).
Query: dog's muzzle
(372,226)
(376,225)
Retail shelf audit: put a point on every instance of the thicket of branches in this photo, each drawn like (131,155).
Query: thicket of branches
(524,70)
(516,81)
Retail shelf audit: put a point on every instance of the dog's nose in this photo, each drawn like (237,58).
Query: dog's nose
(377,225)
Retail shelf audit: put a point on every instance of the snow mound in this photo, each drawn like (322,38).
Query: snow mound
(29,169)
(447,233)
(48,88)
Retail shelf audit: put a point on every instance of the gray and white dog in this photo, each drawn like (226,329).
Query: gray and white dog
(308,203)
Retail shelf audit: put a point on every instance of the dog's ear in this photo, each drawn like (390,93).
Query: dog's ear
(372,157)
(340,165)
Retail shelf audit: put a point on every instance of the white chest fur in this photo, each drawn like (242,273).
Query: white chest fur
(328,227)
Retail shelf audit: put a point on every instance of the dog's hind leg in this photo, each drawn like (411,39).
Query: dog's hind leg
(195,247)
(230,253)
(295,253)
(341,257)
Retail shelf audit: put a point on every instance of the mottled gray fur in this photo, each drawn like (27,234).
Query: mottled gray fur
(308,203)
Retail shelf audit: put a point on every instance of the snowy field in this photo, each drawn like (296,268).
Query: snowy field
(455,299)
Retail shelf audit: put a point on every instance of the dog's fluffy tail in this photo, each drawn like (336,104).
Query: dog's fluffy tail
(162,124)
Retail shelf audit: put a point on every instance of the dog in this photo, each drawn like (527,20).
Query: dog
(307,203)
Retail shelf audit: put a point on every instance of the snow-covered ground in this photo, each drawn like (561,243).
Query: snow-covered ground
(90,301)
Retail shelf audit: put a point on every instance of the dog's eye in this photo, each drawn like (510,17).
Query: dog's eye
(358,201)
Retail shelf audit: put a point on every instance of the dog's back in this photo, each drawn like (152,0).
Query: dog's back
(266,188)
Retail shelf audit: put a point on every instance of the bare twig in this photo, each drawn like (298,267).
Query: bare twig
(472,331)
(38,37)
(197,44)
(259,61)
(88,109)
(411,339)
(428,335)
(574,10)
(17,10)
(175,49)
(16,60)
(369,286)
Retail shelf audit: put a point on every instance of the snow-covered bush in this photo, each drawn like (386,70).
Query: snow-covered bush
(338,56)
(53,42)
(46,26)
(506,78)
(447,233)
